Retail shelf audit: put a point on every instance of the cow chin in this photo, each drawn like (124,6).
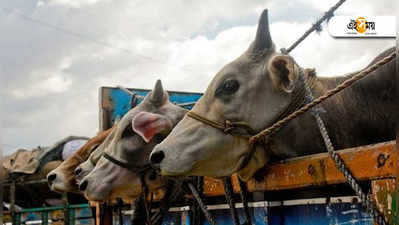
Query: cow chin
(213,166)
(102,191)
(62,187)
(258,160)
(127,193)
(97,192)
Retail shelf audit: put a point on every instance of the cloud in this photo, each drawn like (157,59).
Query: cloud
(56,54)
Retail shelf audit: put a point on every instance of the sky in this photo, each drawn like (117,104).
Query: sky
(56,54)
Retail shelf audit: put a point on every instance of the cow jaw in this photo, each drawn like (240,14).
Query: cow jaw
(103,179)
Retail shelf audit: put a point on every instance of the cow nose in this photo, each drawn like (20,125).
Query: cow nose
(156,158)
(51,177)
(83,185)
(78,171)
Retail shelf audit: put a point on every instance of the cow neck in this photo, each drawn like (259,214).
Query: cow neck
(297,101)
(298,98)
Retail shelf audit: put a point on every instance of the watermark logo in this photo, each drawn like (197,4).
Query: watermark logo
(362,26)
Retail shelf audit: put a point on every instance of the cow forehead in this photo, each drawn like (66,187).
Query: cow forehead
(246,66)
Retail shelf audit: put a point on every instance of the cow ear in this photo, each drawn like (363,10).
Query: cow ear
(147,125)
(282,72)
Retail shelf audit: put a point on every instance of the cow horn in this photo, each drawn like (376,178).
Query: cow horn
(263,40)
(157,93)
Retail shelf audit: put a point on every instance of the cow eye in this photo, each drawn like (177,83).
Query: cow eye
(228,87)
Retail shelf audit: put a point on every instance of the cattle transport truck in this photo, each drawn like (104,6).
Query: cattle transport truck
(307,190)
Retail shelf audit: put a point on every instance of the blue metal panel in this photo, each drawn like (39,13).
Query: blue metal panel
(319,214)
(223,216)
(121,101)
(311,214)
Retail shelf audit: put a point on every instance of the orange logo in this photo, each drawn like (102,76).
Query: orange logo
(361,25)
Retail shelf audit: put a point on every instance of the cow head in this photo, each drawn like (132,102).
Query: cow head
(255,88)
(62,179)
(135,136)
(87,166)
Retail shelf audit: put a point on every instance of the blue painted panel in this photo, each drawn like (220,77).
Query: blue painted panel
(223,216)
(319,214)
(312,214)
(122,100)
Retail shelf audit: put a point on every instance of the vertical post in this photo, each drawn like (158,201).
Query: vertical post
(17,218)
(66,211)
(93,207)
(1,196)
(383,193)
(98,213)
(12,203)
(2,179)
(396,208)
(71,216)
(106,218)
(44,218)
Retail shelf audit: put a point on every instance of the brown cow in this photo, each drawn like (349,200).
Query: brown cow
(62,179)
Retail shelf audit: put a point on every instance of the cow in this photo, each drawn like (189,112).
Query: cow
(257,89)
(124,163)
(88,165)
(62,179)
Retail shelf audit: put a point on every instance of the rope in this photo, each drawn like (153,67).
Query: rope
(315,26)
(340,163)
(214,124)
(347,83)
(244,198)
(203,207)
(229,192)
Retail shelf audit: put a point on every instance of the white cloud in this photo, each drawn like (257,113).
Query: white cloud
(71,3)
(51,85)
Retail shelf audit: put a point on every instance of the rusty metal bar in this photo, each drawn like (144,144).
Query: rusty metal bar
(8,183)
(129,91)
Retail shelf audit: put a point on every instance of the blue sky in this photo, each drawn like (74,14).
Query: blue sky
(55,54)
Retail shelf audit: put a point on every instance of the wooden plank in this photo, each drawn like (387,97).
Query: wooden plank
(366,162)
